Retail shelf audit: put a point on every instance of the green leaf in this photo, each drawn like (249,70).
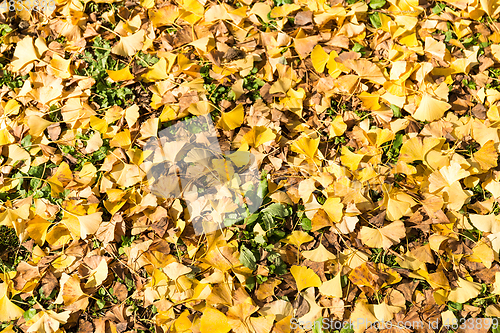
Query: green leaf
(252,218)
(259,239)
(357,47)
(276,209)
(28,314)
(250,282)
(453,306)
(448,35)
(26,141)
(375,20)
(306,224)
(281,269)
(377,4)
(268,221)
(318,325)
(231,95)
(100,303)
(262,189)
(247,258)
(438,8)
(396,111)
(279,233)
(495,328)
(346,330)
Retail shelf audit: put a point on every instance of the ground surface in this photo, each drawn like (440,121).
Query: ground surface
(375,129)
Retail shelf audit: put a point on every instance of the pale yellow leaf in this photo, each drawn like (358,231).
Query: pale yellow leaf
(305,277)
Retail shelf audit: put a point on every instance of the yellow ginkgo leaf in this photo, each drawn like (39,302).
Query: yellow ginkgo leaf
(121,139)
(128,46)
(204,44)
(417,148)
(294,100)
(71,290)
(164,16)
(303,46)
(491,7)
(157,72)
(201,108)
(352,258)
(125,174)
(232,119)
(385,312)
(257,136)
(466,290)
(319,254)
(60,178)
(370,101)
(8,329)
(89,224)
(297,238)
(335,68)
(367,70)
(99,124)
(332,288)
(487,156)
(485,223)
(305,277)
(149,128)
(261,9)
(182,323)
(434,47)
(337,127)
(334,208)
(216,13)
(319,58)
(320,220)
(362,312)
(147,3)
(282,85)
(384,237)
(214,321)
(5,137)
(174,270)
(306,146)
(10,311)
(496,284)
(59,235)
(350,159)
(446,176)
(315,310)
(483,253)
(59,67)
(12,107)
(495,51)
(430,108)
(284,10)
(378,136)
(26,52)
(120,75)
(131,115)
(37,125)
(37,229)
(48,321)
(98,275)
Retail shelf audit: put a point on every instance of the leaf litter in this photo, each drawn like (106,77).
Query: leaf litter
(375,125)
